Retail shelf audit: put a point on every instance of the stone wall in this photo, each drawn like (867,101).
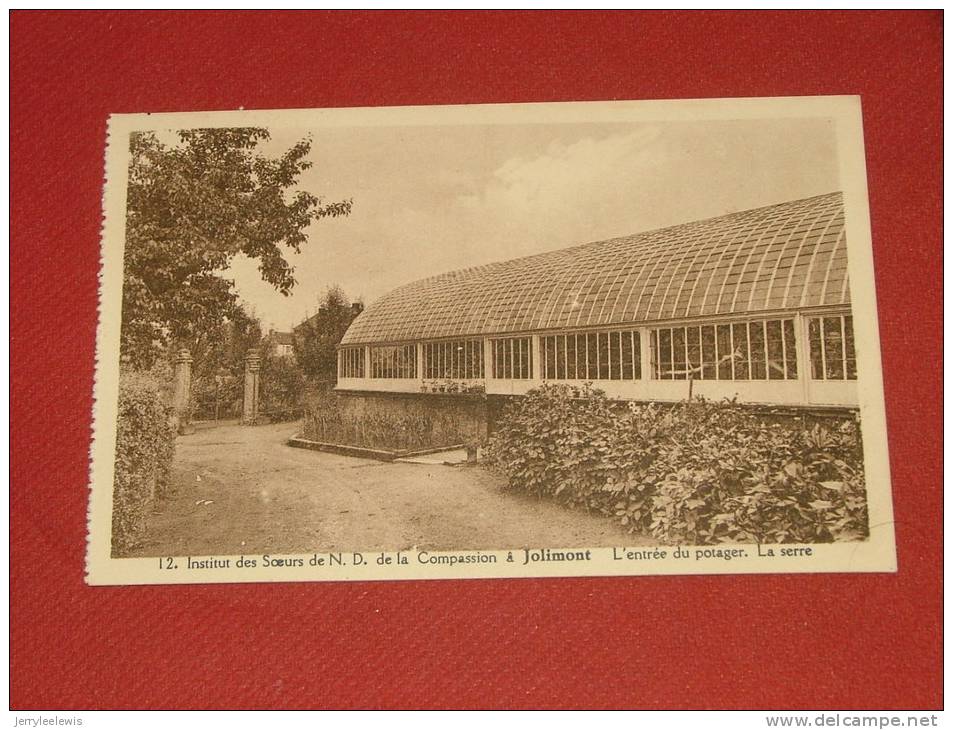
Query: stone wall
(397,420)
(461,418)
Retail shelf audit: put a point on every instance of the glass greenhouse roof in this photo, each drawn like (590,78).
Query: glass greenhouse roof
(786,256)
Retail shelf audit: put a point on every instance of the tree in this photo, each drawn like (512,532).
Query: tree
(191,208)
(218,375)
(316,339)
(282,386)
(224,348)
(219,364)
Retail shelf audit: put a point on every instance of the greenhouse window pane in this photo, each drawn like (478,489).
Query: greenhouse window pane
(571,357)
(693,337)
(603,356)
(757,350)
(742,356)
(833,348)
(592,357)
(626,355)
(790,350)
(725,352)
(849,353)
(709,353)
(678,354)
(775,347)
(615,355)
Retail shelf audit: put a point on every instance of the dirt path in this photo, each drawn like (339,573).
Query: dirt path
(242,490)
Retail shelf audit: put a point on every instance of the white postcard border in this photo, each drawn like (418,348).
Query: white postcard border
(877,554)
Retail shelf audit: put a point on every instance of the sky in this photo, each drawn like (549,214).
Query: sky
(431,199)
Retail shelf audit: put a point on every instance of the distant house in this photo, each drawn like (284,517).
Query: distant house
(283,343)
(318,336)
(323,314)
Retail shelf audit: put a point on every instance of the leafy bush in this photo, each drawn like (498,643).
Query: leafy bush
(145,443)
(693,472)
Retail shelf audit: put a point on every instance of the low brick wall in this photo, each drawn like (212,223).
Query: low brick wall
(453,419)
(459,418)
(808,416)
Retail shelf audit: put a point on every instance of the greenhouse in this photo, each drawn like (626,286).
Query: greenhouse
(753,305)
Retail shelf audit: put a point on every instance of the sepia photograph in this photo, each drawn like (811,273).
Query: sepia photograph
(475,360)
(612,338)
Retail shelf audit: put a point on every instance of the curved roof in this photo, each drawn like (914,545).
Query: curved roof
(783,256)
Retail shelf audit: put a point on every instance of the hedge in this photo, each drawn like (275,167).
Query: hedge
(695,472)
(145,442)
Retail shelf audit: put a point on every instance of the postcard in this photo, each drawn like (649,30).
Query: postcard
(488,341)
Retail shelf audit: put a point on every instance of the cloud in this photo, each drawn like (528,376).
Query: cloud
(430,201)
(570,194)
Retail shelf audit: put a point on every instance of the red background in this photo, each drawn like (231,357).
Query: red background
(799,641)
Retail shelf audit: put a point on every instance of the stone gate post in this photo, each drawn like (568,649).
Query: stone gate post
(181,389)
(250,406)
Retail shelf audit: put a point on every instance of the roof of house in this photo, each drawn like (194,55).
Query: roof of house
(785,256)
(281,338)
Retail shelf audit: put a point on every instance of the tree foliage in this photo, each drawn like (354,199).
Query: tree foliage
(222,350)
(219,364)
(282,386)
(316,339)
(191,208)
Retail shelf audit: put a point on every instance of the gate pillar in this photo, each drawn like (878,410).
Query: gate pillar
(181,390)
(250,405)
